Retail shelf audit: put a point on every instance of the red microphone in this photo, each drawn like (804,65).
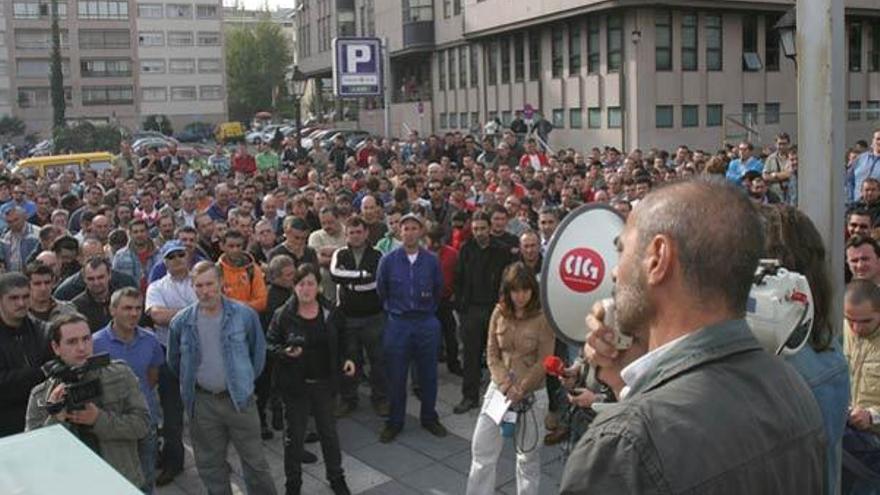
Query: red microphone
(554,366)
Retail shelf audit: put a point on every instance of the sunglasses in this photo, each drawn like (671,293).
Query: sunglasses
(175,255)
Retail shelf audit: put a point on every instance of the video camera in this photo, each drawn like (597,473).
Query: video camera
(79,390)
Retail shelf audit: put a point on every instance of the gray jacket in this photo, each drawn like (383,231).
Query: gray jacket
(715,414)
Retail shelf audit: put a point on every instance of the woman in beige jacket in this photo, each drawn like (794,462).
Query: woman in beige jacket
(519,340)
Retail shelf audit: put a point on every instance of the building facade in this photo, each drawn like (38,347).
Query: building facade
(630,74)
(122,60)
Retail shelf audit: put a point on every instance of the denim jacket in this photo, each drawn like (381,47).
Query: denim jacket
(244,351)
(127,261)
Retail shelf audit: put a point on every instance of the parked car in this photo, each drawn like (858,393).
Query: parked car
(196,132)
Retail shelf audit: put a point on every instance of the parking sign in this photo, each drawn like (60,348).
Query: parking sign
(357,67)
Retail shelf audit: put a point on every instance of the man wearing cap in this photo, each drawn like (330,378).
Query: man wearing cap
(409,282)
(165,298)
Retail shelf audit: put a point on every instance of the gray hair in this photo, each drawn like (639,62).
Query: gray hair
(277,265)
(12,280)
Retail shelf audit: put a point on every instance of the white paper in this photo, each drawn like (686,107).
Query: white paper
(498,405)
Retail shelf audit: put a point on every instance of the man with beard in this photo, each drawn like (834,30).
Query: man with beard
(74,283)
(530,252)
(94,302)
(137,259)
(758,190)
(206,243)
(296,232)
(43,306)
(683,296)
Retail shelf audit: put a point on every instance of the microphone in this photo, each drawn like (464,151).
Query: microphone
(554,366)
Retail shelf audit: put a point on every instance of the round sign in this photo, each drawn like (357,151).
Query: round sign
(528,111)
(577,266)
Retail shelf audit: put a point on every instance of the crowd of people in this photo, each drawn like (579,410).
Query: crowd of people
(248,293)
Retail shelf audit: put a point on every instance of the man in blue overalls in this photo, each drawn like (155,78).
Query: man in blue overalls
(409,282)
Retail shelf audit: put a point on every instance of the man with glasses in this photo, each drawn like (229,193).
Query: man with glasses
(776,165)
(745,163)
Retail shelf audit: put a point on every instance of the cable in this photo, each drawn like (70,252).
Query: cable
(522,430)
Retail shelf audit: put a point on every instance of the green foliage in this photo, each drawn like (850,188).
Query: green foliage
(10,127)
(56,77)
(158,123)
(256,60)
(86,137)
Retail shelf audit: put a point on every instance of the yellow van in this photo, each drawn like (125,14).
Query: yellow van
(37,166)
(228,132)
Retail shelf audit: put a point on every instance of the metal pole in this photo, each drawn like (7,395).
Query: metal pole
(821,131)
(386,79)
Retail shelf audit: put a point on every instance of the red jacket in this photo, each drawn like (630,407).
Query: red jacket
(448,259)
(245,164)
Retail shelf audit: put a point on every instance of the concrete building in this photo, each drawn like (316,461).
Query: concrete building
(122,60)
(618,73)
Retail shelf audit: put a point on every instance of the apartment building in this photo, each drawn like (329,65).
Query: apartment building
(116,62)
(604,73)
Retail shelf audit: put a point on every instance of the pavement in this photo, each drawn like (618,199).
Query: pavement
(416,462)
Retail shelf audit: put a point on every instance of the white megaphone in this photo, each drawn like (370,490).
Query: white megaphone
(780,309)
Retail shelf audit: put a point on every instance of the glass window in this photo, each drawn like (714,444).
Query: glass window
(615,42)
(4,97)
(750,113)
(751,60)
(103,9)
(519,57)
(152,66)
(181,66)
(209,38)
(150,10)
(558,118)
(463,120)
(33,97)
(556,60)
(443,121)
(154,94)
(492,62)
(690,115)
(210,65)
(462,67)
(854,110)
(714,115)
(594,118)
(453,120)
(575,118)
(38,68)
(689,42)
(506,117)
(210,92)
(178,11)
(105,68)
(105,39)
(505,60)
(663,116)
(771,42)
(663,33)
(574,48)
(475,119)
(441,69)
(474,65)
(615,118)
(107,95)
(4,68)
(414,10)
(456,7)
(873,112)
(534,55)
(771,113)
(447,8)
(450,57)
(180,38)
(593,45)
(183,93)
(874,54)
(151,38)
(37,39)
(713,27)
(206,11)
(855,46)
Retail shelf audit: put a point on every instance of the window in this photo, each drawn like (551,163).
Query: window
(771,113)
(519,57)
(456,7)
(153,38)
(751,60)
(474,65)
(180,38)
(208,38)
(103,9)
(475,119)
(210,66)
(206,11)
(593,45)
(152,66)
(107,95)
(417,10)
(181,66)
(614,118)
(37,9)
(183,93)
(154,94)
(105,68)
(4,68)
(447,8)
(663,116)
(771,42)
(462,67)
(855,46)
(874,54)
(210,92)
(105,39)
(556,62)
(441,69)
(750,113)
(4,97)
(492,116)
(714,60)
(33,97)
(506,117)
(663,34)
(444,123)
(594,118)
(690,115)
(505,60)
(873,112)
(714,115)
(575,118)
(36,39)
(178,11)
(574,49)
(150,10)
(854,110)
(492,62)
(689,42)
(37,68)
(615,43)
(534,55)
(463,120)
(450,57)
(453,120)
(558,118)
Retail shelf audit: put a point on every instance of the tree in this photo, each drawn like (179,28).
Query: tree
(56,77)
(158,123)
(256,60)
(86,137)
(10,127)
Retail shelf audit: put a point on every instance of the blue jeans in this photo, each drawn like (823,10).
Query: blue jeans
(406,340)
(147,451)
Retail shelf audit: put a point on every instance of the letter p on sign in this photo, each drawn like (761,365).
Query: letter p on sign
(355,54)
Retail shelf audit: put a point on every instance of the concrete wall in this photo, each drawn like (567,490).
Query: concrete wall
(404,118)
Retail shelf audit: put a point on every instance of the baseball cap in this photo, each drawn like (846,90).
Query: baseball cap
(414,217)
(172,246)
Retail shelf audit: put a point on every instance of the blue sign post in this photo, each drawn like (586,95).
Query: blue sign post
(357,67)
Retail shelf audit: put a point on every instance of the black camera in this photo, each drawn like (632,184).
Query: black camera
(79,390)
(296,340)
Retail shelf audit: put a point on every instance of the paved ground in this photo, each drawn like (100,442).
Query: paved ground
(415,463)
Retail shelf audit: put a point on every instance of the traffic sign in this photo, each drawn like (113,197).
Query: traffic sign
(357,67)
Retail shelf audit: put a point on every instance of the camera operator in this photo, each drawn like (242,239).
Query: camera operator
(110,423)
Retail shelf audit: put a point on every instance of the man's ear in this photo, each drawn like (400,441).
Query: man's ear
(658,259)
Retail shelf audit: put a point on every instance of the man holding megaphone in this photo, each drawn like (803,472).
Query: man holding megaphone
(706,409)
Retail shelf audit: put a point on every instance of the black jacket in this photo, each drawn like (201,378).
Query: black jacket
(276,298)
(289,377)
(478,274)
(96,312)
(22,352)
(357,282)
(74,285)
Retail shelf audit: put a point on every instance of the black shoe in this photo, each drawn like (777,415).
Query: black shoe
(339,487)
(455,368)
(167,476)
(344,408)
(308,458)
(435,428)
(277,418)
(389,433)
(266,433)
(464,406)
(382,408)
(312,437)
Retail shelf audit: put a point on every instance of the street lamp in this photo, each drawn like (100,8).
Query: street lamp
(787,27)
(296,85)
